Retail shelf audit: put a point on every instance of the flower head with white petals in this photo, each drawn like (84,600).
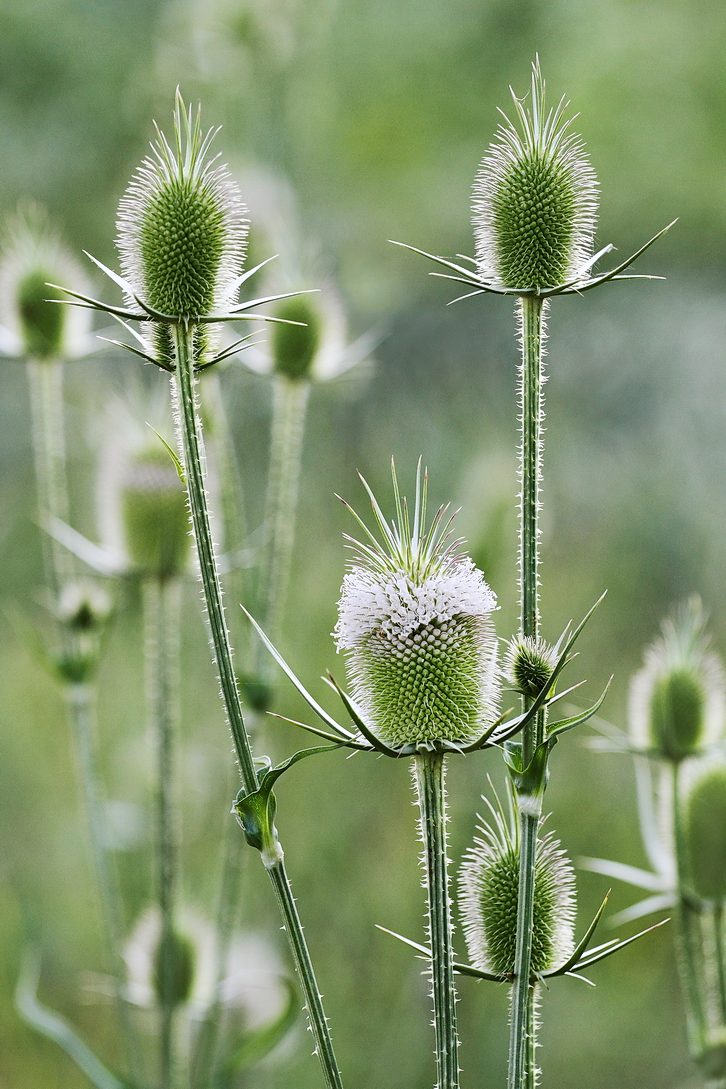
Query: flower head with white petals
(414,621)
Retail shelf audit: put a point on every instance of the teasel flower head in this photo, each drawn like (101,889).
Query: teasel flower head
(528,665)
(35,324)
(182,228)
(414,620)
(704,818)
(489,891)
(535,199)
(676,706)
(84,606)
(154,514)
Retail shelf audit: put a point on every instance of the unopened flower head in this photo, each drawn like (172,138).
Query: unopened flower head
(704,815)
(34,257)
(676,706)
(489,892)
(294,347)
(182,227)
(528,665)
(154,514)
(535,199)
(414,621)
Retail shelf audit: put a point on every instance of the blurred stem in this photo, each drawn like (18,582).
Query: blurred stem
(192,449)
(290,402)
(431,795)
(717,919)
(162,615)
(531,317)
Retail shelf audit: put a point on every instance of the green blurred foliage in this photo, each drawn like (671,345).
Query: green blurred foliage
(379,113)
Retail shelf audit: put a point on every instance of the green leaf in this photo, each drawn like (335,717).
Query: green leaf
(172,454)
(257,1044)
(566,724)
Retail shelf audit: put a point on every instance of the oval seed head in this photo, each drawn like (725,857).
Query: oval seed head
(489,892)
(33,257)
(704,810)
(154,514)
(414,621)
(294,347)
(535,199)
(676,706)
(173,968)
(528,665)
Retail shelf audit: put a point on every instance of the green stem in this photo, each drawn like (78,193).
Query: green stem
(531,317)
(192,449)
(720,958)
(162,603)
(431,795)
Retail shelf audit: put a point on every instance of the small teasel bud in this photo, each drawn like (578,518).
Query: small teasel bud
(704,818)
(535,199)
(84,606)
(489,892)
(294,346)
(528,665)
(154,514)
(173,968)
(414,621)
(676,706)
(33,257)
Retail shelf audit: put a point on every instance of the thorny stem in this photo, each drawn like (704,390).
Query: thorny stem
(521,1042)
(162,601)
(193,455)
(430,792)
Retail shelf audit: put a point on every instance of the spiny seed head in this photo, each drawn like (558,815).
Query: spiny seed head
(528,665)
(154,514)
(33,257)
(489,892)
(535,199)
(414,621)
(676,706)
(182,225)
(704,808)
(294,346)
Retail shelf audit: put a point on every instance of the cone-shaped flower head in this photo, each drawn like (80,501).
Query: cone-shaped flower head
(489,891)
(33,257)
(535,199)
(182,226)
(704,810)
(154,514)
(676,706)
(528,665)
(414,621)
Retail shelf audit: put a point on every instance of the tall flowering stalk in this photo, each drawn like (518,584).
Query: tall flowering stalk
(535,203)
(182,234)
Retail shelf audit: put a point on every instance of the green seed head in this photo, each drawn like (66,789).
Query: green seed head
(33,257)
(704,808)
(489,892)
(84,606)
(677,698)
(181,225)
(528,665)
(414,621)
(154,515)
(173,969)
(294,347)
(535,199)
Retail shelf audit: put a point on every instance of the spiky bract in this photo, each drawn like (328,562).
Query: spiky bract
(489,893)
(414,621)
(535,199)
(704,814)
(34,257)
(154,514)
(676,704)
(528,665)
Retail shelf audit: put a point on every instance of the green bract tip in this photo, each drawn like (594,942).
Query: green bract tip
(154,515)
(677,699)
(535,199)
(182,225)
(705,822)
(489,892)
(414,620)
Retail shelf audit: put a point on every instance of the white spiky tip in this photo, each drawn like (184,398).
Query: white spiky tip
(414,622)
(677,701)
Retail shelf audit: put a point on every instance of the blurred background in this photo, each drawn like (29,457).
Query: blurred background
(376,115)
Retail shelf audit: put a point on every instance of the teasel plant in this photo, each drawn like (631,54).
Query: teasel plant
(676,735)
(414,622)
(181,237)
(534,214)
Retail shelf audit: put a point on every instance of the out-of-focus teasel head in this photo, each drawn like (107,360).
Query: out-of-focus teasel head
(154,514)
(489,891)
(83,610)
(704,819)
(676,706)
(528,665)
(414,621)
(33,258)
(535,199)
(293,348)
